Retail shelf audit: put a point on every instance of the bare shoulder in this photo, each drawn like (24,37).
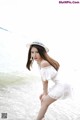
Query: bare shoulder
(44,63)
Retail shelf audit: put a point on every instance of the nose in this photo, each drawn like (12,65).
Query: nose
(34,55)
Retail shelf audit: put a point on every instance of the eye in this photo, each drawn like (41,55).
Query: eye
(32,52)
(37,52)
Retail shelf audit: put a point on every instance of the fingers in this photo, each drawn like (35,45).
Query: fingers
(43,97)
(40,97)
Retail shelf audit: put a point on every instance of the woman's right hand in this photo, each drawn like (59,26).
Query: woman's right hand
(40,97)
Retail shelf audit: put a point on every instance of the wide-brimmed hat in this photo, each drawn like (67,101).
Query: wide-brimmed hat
(37,43)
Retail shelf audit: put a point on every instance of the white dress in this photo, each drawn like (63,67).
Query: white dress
(59,89)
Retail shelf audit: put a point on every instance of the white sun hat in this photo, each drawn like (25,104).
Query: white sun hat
(37,43)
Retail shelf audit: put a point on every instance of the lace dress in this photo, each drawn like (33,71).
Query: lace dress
(59,89)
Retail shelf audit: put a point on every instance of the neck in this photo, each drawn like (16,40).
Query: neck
(39,62)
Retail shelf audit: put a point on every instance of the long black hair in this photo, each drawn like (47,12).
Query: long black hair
(44,56)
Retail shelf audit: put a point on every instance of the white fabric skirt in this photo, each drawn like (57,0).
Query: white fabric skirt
(60,91)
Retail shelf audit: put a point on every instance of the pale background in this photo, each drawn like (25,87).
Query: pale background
(56,25)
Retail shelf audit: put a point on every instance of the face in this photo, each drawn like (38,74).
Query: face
(35,54)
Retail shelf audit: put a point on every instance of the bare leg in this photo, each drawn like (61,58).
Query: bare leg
(45,103)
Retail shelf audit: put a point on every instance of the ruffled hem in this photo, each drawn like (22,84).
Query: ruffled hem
(60,91)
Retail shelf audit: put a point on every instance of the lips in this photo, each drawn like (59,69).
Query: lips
(35,58)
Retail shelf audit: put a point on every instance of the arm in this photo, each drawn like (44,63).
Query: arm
(45,87)
(44,82)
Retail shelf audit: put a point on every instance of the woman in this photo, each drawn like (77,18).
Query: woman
(48,70)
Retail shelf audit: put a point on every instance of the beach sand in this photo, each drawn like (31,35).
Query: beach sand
(19,99)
